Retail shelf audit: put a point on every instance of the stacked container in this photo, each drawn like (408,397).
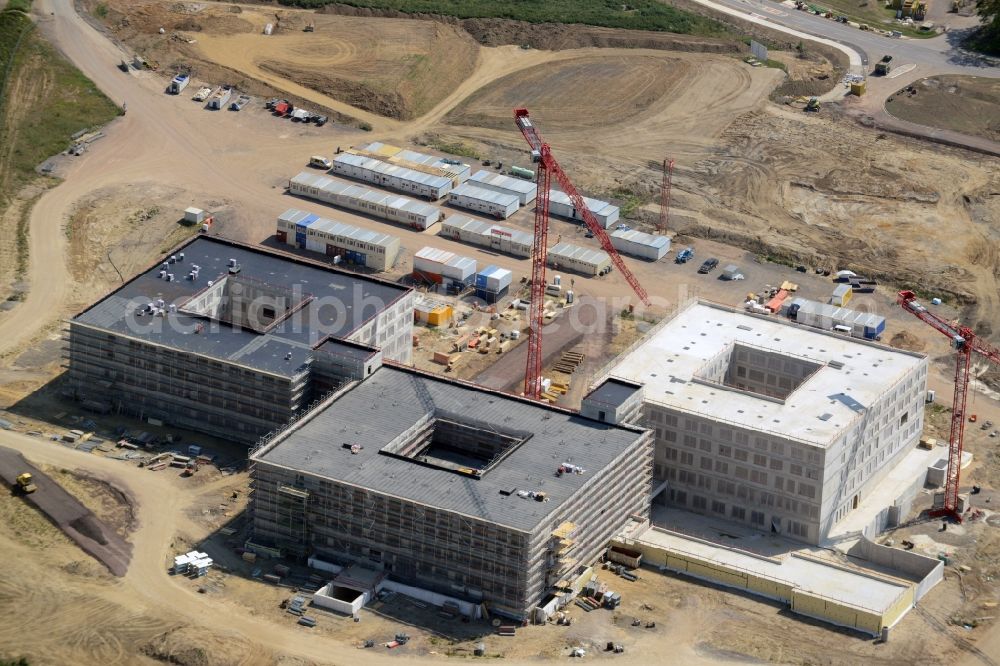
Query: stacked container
(560,204)
(493,283)
(344,242)
(436,266)
(477,232)
(392,207)
(522,189)
(482,200)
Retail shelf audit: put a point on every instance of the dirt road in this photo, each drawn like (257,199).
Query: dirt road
(76,520)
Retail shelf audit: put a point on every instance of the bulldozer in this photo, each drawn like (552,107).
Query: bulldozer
(25,485)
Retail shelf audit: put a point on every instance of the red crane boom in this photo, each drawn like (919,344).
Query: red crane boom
(965,341)
(547,168)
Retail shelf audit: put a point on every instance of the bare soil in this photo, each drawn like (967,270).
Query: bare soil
(966,104)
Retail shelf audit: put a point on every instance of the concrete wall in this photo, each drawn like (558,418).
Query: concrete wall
(322,598)
(802,602)
(467,608)
(927,571)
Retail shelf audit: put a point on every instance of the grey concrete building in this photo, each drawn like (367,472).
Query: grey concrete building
(233,340)
(450,487)
(761,421)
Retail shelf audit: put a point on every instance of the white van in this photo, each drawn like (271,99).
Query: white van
(320,162)
(846,330)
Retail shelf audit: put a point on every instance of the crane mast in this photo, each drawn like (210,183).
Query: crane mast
(548,167)
(965,341)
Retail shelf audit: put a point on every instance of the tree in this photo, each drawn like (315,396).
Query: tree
(989,35)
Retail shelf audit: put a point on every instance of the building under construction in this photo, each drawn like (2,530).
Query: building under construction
(450,487)
(233,340)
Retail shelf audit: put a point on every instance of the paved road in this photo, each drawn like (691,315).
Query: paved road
(937,54)
(77,521)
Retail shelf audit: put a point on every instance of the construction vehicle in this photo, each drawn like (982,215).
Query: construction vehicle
(310,27)
(25,485)
(965,341)
(882,67)
(541,154)
(812,104)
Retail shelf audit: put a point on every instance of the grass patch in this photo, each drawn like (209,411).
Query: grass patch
(776,64)
(455,148)
(70,103)
(22,237)
(101,11)
(632,15)
(630,200)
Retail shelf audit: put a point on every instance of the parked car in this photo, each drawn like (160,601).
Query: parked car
(683,256)
(708,265)
(320,162)
(269,104)
(320,120)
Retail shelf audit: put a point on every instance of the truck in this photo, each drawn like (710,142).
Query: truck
(25,485)
(178,84)
(882,67)
(240,102)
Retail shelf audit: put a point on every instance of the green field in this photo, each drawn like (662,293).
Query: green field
(633,15)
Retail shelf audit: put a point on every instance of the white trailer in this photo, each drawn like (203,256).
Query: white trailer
(560,204)
(481,200)
(392,207)
(179,83)
(392,176)
(638,244)
(345,243)
(586,261)
(524,191)
(220,98)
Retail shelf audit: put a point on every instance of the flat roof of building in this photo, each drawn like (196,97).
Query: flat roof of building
(393,400)
(283,350)
(596,206)
(583,255)
(854,373)
(503,182)
(614,392)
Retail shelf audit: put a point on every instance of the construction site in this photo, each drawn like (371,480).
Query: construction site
(454,331)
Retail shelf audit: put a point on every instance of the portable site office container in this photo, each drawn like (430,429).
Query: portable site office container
(841,295)
(452,168)
(391,176)
(477,232)
(639,244)
(345,242)
(522,189)
(560,204)
(443,267)
(579,259)
(392,207)
(822,315)
(179,83)
(493,283)
(479,199)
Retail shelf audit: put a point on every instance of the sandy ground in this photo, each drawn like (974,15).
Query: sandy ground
(747,171)
(965,104)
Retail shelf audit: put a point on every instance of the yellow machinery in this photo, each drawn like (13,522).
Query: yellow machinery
(25,484)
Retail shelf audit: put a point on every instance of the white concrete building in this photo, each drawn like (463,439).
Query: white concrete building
(560,204)
(524,190)
(781,427)
(482,200)
(639,244)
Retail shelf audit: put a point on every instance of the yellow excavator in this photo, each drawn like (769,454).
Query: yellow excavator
(25,485)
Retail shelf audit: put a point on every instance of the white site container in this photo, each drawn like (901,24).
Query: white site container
(639,244)
(481,200)
(579,259)
(391,207)
(385,174)
(560,204)
(524,190)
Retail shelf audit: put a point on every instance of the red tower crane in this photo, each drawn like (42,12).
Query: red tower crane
(965,341)
(547,168)
(668,176)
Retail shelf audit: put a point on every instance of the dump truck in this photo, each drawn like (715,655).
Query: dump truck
(25,485)
(882,67)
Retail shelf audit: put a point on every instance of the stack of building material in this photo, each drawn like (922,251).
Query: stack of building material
(522,189)
(639,244)
(193,563)
(493,283)
(340,240)
(580,259)
(568,362)
(477,232)
(560,204)
(392,207)
(444,268)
